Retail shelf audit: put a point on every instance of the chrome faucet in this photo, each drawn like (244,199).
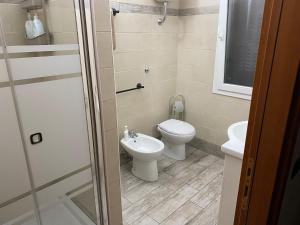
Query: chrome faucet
(132,134)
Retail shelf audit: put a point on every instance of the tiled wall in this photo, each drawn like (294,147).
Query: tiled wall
(211,114)
(61,21)
(63,31)
(140,43)
(108,105)
(14,18)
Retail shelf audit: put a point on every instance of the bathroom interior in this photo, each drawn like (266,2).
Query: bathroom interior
(175,83)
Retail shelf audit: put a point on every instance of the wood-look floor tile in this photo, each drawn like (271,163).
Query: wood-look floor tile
(183,177)
(140,191)
(129,181)
(164,209)
(206,176)
(221,162)
(125,203)
(145,220)
(140,208)
(179,166)
(206,161)
(207,216)
(209,193)
(183,215)
(184,188)
(164,162)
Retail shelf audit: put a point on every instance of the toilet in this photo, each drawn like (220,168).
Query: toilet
(175,134)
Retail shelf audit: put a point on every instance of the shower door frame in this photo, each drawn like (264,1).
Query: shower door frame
(85,20)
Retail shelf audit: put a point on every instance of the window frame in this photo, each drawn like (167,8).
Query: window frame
(219,86)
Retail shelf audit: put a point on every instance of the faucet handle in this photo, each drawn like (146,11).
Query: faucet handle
(132,133)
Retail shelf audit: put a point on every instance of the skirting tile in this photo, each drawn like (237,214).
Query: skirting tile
(208,147)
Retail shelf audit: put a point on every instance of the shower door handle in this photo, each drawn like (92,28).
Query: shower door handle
(36,138)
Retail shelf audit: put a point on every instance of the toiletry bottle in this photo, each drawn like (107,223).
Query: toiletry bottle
(126,133)
(38,26)
(29,27)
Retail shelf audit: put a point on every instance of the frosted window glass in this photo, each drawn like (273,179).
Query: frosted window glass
(242,40)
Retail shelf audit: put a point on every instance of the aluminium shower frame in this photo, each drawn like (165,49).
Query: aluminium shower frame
(85,19)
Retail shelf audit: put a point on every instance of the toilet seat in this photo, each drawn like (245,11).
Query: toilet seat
(177,127)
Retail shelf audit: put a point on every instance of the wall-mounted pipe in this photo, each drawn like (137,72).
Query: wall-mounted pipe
(114,13)
(163,19)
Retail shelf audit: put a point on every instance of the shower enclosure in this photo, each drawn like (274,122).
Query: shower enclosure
(50,155)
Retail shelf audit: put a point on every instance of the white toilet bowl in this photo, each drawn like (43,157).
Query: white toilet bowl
(145,151)
(175,134)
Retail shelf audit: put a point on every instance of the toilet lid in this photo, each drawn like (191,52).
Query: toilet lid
(177,127)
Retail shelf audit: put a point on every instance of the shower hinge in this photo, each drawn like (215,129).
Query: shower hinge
(248,183)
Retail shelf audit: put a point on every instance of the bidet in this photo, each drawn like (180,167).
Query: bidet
(145,151)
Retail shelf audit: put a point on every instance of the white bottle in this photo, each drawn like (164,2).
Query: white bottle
(38,26)
(29,27)
(126,133)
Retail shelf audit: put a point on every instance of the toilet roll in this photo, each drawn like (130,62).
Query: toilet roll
(178,107)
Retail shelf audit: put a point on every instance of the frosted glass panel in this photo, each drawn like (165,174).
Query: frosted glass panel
(51,105)
(19,212)
(242,40)
(16,202)
(69,201)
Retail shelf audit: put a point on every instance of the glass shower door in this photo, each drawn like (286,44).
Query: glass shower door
(16,199)
(51,99)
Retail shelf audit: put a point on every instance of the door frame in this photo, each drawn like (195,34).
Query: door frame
(273,90)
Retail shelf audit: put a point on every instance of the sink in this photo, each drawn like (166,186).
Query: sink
(237,137)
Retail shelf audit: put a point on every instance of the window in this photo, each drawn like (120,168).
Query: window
(237,46)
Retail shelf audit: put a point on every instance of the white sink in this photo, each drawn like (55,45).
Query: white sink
(145,151)
(237,137)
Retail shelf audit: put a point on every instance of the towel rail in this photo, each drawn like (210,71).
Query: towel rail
(138,86)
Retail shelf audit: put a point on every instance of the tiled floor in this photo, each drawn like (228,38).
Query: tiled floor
(187,192)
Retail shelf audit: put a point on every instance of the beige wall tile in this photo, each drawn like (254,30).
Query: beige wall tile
(132,22)
(114,202)
(102,15)
(183,4)
(107,83)
(111,143)
(13,19)
(109,114)
(199,24)
(104,43)
(108,104)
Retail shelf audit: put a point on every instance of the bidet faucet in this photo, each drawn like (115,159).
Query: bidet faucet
(132,134)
